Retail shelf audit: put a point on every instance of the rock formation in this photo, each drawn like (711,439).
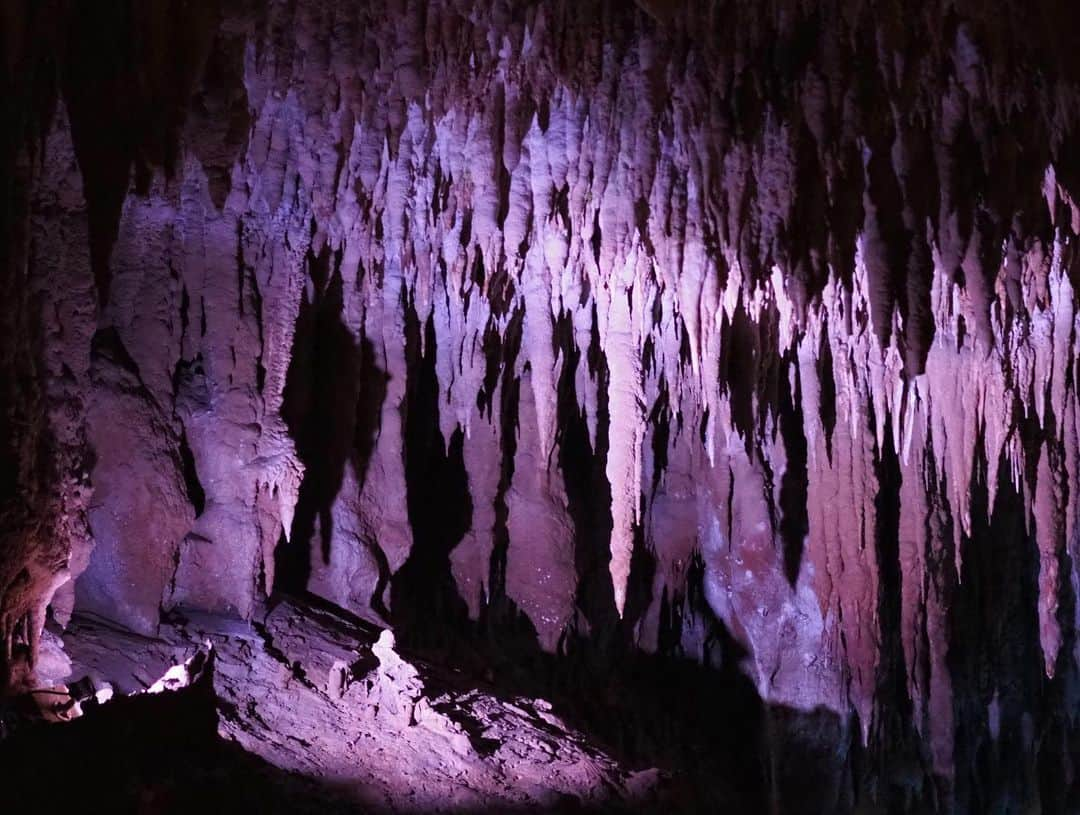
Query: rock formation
(711,329)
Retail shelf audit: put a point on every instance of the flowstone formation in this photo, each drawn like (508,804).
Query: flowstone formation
(717,330)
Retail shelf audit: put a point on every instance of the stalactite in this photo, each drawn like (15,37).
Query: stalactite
(718,244)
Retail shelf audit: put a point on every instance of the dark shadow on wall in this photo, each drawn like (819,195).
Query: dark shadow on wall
(694,714)
(424,596)
(127,104)
(501,619)
(692,711)
(588,493)
(997,663)
(794,517)
(895,745)
(740,359)
(334,392)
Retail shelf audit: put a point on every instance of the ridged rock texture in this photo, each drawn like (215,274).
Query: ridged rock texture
(718,330)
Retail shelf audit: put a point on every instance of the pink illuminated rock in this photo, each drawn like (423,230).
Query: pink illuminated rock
(662,323)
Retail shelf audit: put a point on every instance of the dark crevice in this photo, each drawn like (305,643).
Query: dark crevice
(794,517)
(826,392)
(195,493)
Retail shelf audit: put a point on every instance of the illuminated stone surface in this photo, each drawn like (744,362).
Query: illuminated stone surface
(615,327)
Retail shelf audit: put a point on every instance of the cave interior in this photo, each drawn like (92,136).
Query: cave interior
(540,406)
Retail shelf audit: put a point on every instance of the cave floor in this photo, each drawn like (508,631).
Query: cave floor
(305,710)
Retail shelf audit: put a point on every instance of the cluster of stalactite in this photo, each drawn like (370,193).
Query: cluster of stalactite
(699,313)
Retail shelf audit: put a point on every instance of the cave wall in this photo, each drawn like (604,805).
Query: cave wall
(584,309)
